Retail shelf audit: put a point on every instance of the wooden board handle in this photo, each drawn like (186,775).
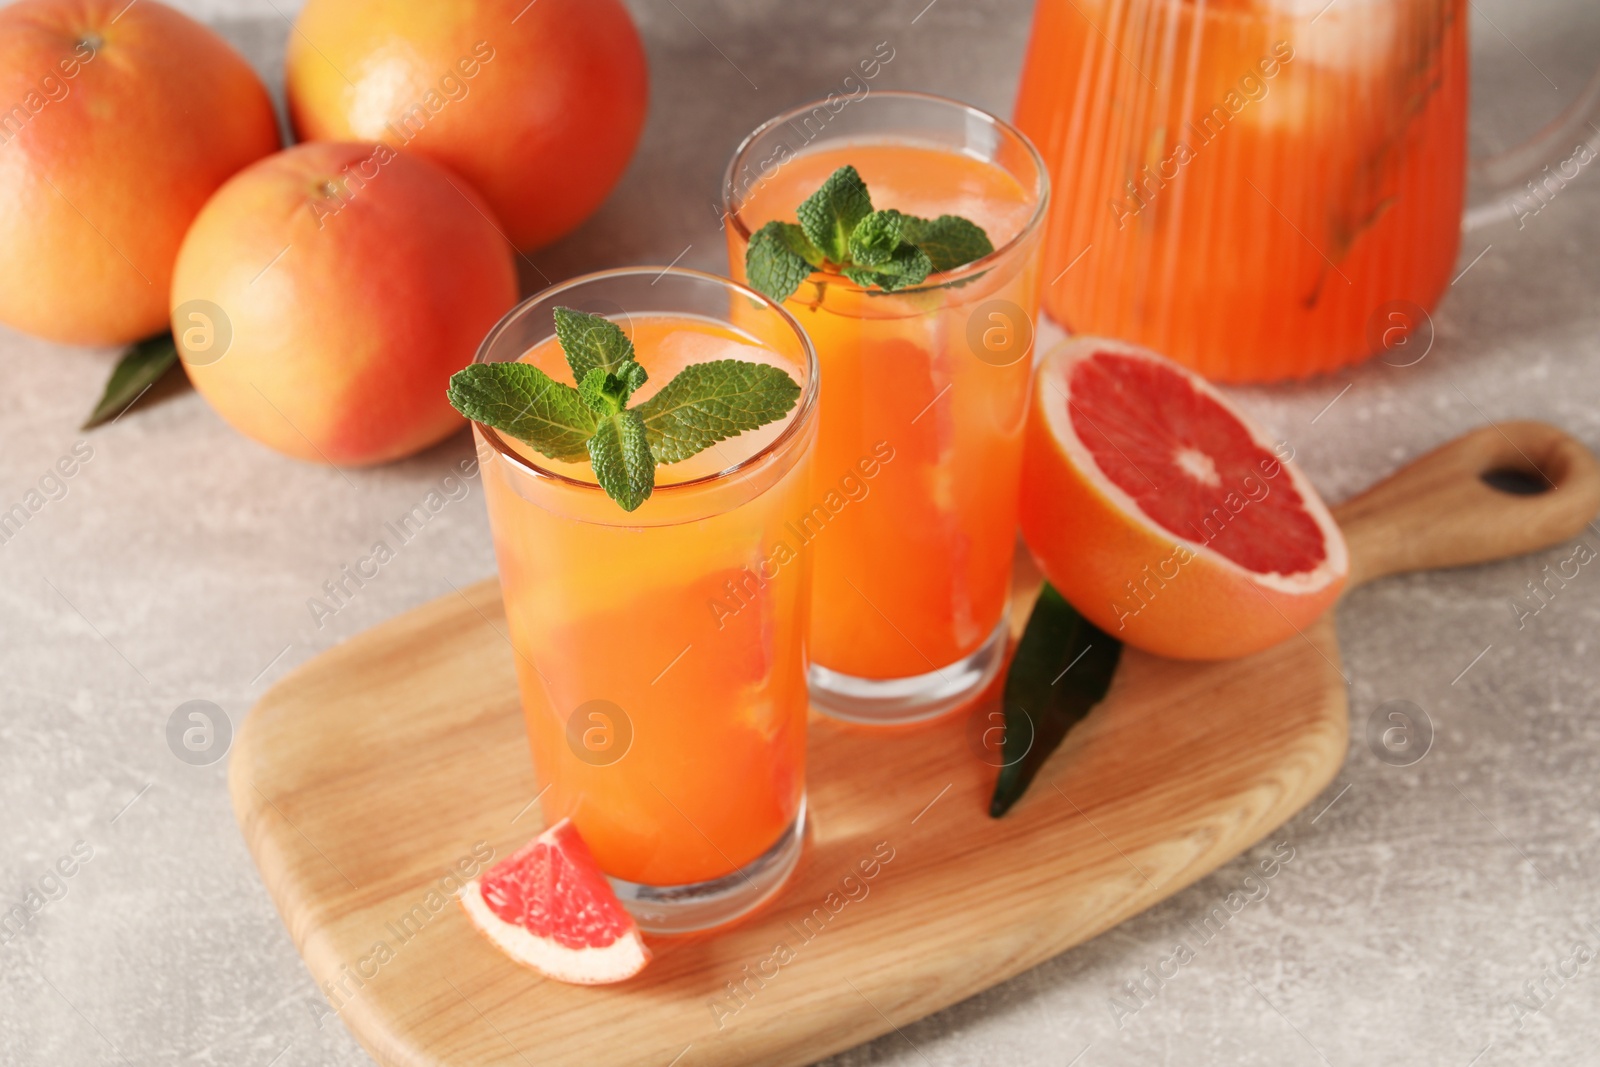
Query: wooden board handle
(1440,511)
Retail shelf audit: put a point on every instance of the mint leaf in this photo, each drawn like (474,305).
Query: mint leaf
(832,213)
(949,240)
(591,341)
(623,464)
(600,392)
(713,401)
(140,367)
(909,266)
(771,263)
(875,239)
(865,277)
(795,237)
(525,402)
(605,393)
(631,375)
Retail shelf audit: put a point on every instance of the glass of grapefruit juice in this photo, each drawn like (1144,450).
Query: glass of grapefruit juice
(924,396)
(660,652)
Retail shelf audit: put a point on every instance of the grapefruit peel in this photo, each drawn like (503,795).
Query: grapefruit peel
(1198,565)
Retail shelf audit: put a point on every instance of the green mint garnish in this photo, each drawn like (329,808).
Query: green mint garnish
(590,341)
(621,458)
(949,240)
(839,231)
(830,214)
(526,403)
(705,403)
(873,241)
(774,261)
(711,402)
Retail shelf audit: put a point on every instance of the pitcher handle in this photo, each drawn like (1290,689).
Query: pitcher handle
(1503,172)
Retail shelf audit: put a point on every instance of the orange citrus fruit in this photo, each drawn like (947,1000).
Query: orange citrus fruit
(117,121)
(325,295)
(1163,514)
(539,105)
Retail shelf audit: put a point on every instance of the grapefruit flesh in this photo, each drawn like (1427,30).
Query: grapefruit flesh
(1164,515)
(548,907)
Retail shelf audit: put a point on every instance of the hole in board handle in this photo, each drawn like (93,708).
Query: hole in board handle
(1515,481)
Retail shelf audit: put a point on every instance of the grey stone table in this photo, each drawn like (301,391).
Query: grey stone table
(1431,913)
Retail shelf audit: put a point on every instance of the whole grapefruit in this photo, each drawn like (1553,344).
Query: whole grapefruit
(1165,516)
(539,105)
(117,121)
(324,296)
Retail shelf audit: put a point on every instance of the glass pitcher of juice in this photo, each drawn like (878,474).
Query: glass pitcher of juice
(1248,185)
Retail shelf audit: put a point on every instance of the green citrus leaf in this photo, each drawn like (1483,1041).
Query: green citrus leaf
(1061,670)
(140,367)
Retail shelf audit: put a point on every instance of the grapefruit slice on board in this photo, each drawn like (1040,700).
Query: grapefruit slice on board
(1163,514)
(547,906)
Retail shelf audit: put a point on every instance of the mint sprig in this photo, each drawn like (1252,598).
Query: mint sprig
(704,404)
(590,342)
(526,403)
(949,240)
(840,232)
(621,458)
(832,213)
(712,401)
(778,258)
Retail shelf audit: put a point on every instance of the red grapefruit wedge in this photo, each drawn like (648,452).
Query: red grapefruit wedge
(547,906)
(1163,514)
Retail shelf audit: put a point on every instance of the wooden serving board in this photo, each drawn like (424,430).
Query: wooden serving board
(362,779)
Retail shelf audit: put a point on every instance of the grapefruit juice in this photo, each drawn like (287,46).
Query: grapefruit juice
(1257,189)
(660,653)
(923,401)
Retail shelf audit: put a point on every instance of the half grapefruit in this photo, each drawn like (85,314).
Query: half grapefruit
(548,907)
(1166,516)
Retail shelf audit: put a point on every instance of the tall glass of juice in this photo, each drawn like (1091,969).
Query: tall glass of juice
(924,391)
(660,653)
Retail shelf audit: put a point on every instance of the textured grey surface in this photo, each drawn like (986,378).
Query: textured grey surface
(178,564)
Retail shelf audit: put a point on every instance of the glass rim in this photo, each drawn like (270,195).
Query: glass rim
(961,273)
(802,411)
